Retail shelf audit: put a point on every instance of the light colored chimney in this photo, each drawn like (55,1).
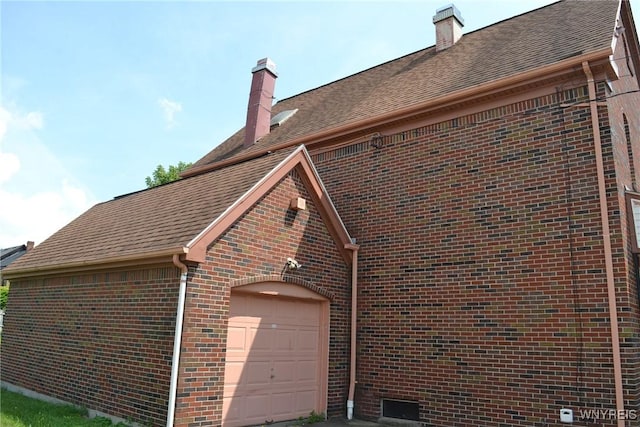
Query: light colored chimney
(29,245)
(260,101)
(449,23)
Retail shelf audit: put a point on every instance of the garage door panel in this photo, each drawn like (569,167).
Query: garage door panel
(232,414)
(257,405)
(256,373)
(307,370)
(285,339)
(272,371)
(261,340)
(236,339)
(260,307)
(308,313)
(305,400)
(233,372)
(284,372)
(308,340)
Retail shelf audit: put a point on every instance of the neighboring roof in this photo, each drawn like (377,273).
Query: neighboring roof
(530,41)
(9,255)
(181,217)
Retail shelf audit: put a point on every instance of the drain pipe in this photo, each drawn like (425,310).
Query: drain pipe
(608,258)
(177,341)
(354,322)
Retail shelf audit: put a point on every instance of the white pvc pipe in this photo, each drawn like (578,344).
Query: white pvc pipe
(177,341)
(354,320)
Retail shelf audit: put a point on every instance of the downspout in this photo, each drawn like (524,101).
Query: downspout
(177,341)
(606,237)
(354,323)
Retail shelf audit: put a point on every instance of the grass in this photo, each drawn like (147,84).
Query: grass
(17,410)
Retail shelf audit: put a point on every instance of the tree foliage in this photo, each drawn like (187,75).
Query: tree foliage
(162,176)
(4,296)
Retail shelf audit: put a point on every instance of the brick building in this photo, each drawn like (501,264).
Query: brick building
(474,201)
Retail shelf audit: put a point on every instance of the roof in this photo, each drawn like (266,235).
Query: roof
(527,42)
(182,217)
(9,255)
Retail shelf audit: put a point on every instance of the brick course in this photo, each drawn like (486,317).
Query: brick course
(482,281)
(99,340)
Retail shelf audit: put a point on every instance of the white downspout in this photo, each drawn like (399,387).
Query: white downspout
(175,360)
(354,322)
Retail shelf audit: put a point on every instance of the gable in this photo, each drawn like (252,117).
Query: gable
(299,161)
(181,218)
(150,224)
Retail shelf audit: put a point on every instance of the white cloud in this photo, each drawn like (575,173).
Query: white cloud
(33,120)
(5,116)
(38,195)
(29,121)
(169,110)
(9,166)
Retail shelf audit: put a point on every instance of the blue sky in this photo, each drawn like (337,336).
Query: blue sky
(94,95)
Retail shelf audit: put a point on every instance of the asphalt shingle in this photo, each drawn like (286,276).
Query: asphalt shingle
(526,42)
(150,221)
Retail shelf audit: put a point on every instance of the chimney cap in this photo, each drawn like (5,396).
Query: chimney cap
(265,64)
(446,12)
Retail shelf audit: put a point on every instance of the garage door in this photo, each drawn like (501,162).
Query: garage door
(273,362)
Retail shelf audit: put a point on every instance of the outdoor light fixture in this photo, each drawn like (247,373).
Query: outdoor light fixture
(292,264)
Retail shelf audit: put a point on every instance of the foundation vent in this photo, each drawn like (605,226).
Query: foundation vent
(401,409)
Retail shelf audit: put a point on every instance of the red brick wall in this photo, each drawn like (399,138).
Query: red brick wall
(102,341)
(623,103)
(482,281)
(259,244)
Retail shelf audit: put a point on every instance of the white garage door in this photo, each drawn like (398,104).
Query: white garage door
(273,367)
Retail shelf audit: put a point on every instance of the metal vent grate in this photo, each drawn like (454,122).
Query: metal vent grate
(282,117)
(402,409)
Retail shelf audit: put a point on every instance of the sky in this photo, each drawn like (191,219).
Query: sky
(94,95)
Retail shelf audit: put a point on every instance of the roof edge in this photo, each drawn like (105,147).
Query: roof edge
(113,262)
(360,125)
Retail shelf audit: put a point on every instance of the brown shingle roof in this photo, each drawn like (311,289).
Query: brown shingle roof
(526,42)
(163,218)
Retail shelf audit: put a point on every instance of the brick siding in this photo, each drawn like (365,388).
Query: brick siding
(623,105)
(258,245)
(482,281)
(102,341)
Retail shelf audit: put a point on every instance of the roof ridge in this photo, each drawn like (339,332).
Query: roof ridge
(414,53)
(354,74)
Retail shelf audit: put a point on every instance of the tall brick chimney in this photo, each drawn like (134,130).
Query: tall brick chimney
(260,101)
(449,23)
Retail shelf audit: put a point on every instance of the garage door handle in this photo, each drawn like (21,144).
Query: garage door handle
(272,376)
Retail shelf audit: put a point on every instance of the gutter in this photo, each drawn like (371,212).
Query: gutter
(124,260)
(410,111)
(354,321)
(177,341)
(606,237)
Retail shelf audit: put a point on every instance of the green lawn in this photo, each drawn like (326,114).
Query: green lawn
(17,410)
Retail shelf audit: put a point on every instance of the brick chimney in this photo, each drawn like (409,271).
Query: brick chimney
(449,23)
(260,101)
